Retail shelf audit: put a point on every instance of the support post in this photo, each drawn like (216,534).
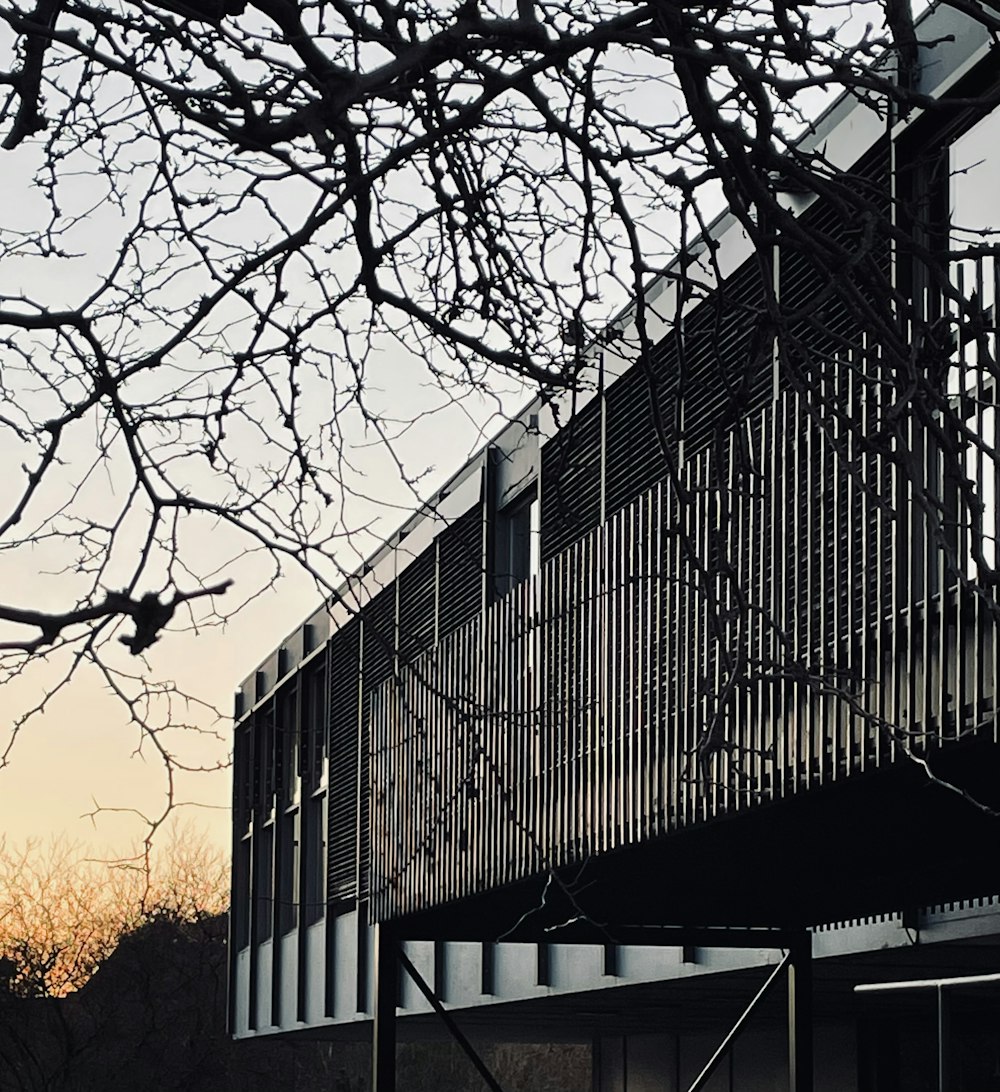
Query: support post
(386,972)
(943,1035)
(800,1016)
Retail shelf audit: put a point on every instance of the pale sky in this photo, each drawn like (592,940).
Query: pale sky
(81,752)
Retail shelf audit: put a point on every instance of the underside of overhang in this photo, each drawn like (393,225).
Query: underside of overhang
(871,844)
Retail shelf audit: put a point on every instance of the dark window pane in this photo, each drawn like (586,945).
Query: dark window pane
(288,864)
(263,884)
(314,859)
(241,894)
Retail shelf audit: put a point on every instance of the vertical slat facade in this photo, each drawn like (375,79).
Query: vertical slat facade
(344,764)
(784,612)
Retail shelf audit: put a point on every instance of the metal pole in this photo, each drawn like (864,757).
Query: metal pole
(435,1002)
(942,1037)
(710,1067)
(800,1030)
(386,973)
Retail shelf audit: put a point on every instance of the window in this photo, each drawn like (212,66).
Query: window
(263,884)
(288,872)
(313,752)
(241,894)
(288,740)
(974,163)
(314,859)
(516,555)
(263,763)
(314,778)
(242,779)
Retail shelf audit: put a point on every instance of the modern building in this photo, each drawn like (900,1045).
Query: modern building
(684,688)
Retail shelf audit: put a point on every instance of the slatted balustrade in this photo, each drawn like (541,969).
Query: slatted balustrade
(794,609)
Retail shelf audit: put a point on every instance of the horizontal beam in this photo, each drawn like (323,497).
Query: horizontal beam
(667,936)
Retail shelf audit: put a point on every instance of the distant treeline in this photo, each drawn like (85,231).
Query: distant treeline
(153,1019)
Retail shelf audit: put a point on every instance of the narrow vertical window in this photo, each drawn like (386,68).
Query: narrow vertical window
(314,781)
(241,893)
(288,741)
(263,883)
(288,863)
(516,555)
(242,779)
(974,162)
(314,855)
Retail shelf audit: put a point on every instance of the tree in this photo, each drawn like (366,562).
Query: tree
(107,974)
(271,196)
(64,916)
(63,913)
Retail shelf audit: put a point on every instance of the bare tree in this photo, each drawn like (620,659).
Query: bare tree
(251,206)
(62,913)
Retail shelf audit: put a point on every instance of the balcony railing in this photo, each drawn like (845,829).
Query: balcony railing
(807,599)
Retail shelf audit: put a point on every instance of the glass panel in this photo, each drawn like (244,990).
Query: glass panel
(517,543)
(242,780)
(313,757)
(288,727)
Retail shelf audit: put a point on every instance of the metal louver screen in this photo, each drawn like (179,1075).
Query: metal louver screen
(821,310)
(830,369)
(378,653)
(417,589)
(727,358)
(571,481)
(460,571)
(342,842)
(639,406)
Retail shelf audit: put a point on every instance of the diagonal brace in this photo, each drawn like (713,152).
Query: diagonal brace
(734,1031)
(435,1002)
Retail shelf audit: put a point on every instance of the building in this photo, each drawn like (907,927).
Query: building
(685,685)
